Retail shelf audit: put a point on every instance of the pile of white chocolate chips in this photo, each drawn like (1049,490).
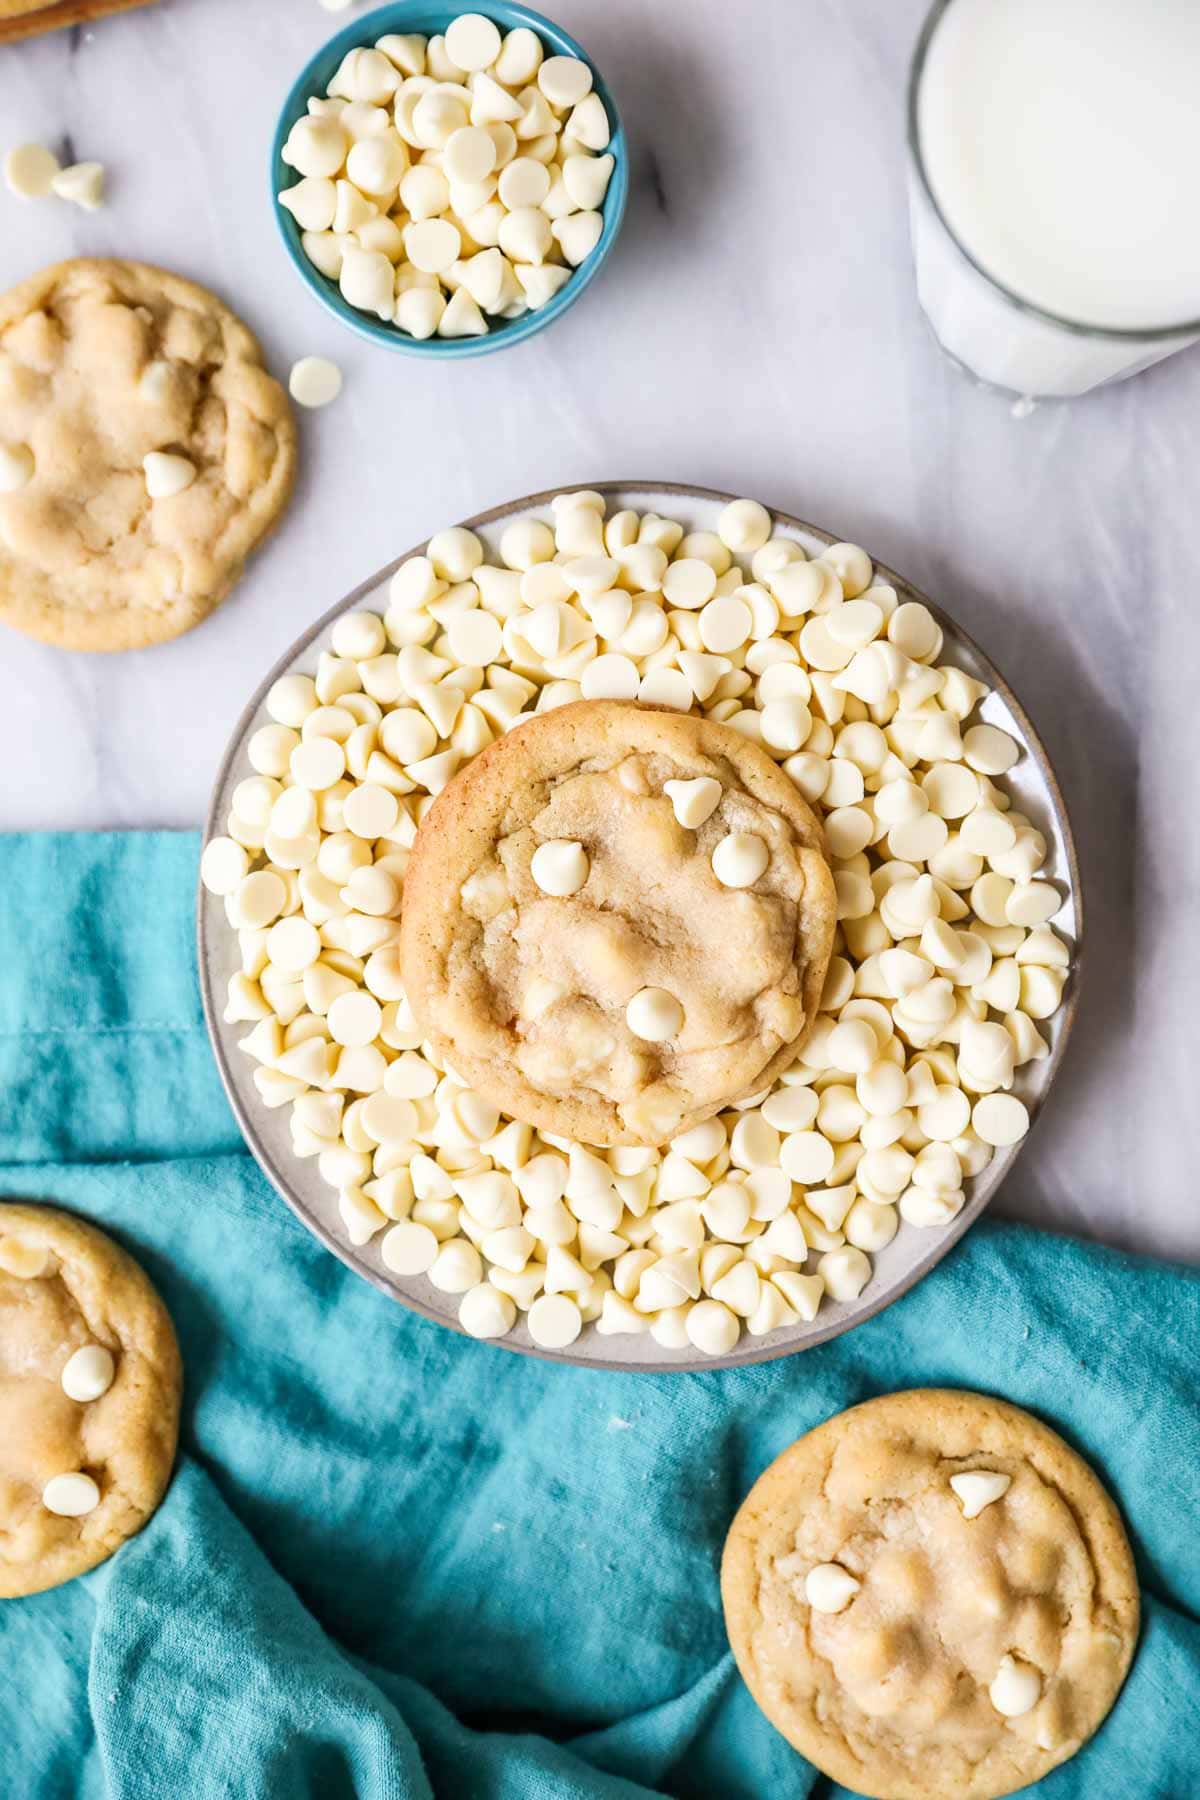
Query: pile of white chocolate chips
(944,960)
(449,181)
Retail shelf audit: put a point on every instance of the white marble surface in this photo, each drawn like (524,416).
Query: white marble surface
(756,329)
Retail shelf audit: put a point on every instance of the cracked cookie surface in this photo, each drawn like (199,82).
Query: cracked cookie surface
(527,992)
(77,1288)
(886,1678)
(101,363)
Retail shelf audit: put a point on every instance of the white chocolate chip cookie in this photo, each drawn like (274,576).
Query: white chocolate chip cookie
(617,921)
(144,452)
(932,1597)
(89,1398)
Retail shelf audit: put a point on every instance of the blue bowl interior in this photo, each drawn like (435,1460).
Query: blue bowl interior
(409,16)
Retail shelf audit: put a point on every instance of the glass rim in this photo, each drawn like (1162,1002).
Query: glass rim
(1150,334)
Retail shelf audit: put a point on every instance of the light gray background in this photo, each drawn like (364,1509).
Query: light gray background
(757,330)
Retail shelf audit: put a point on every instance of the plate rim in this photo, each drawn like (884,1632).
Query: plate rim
(693,1362)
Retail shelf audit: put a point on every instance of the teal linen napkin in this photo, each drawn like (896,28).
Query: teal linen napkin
(395,1563)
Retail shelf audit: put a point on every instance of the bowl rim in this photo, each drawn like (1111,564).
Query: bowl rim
(693,1363)
(360,33)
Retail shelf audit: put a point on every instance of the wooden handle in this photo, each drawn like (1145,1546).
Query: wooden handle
(26,18)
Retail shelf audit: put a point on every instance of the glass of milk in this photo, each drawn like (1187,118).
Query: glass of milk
(1054,186)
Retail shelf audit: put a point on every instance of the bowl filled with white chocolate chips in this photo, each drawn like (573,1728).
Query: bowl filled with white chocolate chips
(783,1216)
(449,183)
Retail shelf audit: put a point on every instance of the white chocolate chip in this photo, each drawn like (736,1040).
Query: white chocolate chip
(88,1373)
(519,59)
(654,1015)
(554,1321)
(744,526)
(312,202)
(409,1249)
(24,1261)
(712,1328)
(977,1488)
(314,381)
(375,165)
(585,181)
(740,859)
(419,312)
(462,317)
(71,1496)
(167,474)
(560,867)
(29,171)
(472,42)
(989,750)
(223,865)
(16,467)
(1016,1688)
(845,1271)
(354,1019)
(315,146)
(487,1313)
(829,1588)
(693,801)
(1000,1119)
(367,281)
(82,184)
(564,80)
(457,1267)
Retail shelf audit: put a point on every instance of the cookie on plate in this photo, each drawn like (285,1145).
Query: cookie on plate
(932,1597)
(89,1398)
(617,921)
(104,364)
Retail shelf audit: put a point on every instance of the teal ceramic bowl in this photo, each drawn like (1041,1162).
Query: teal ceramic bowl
(410,16)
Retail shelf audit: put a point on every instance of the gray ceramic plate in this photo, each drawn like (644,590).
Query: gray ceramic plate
(912,1252)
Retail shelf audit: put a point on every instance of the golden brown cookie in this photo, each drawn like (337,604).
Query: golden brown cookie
(574,950)
(77,1312)
(918,1630)
(101,364)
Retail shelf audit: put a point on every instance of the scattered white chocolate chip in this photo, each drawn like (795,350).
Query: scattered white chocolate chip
(829,1588)
(88,1373)
(314,381)
(71,1496)
(82,184)
(29,171)
(1016,1687)
(977,1488)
